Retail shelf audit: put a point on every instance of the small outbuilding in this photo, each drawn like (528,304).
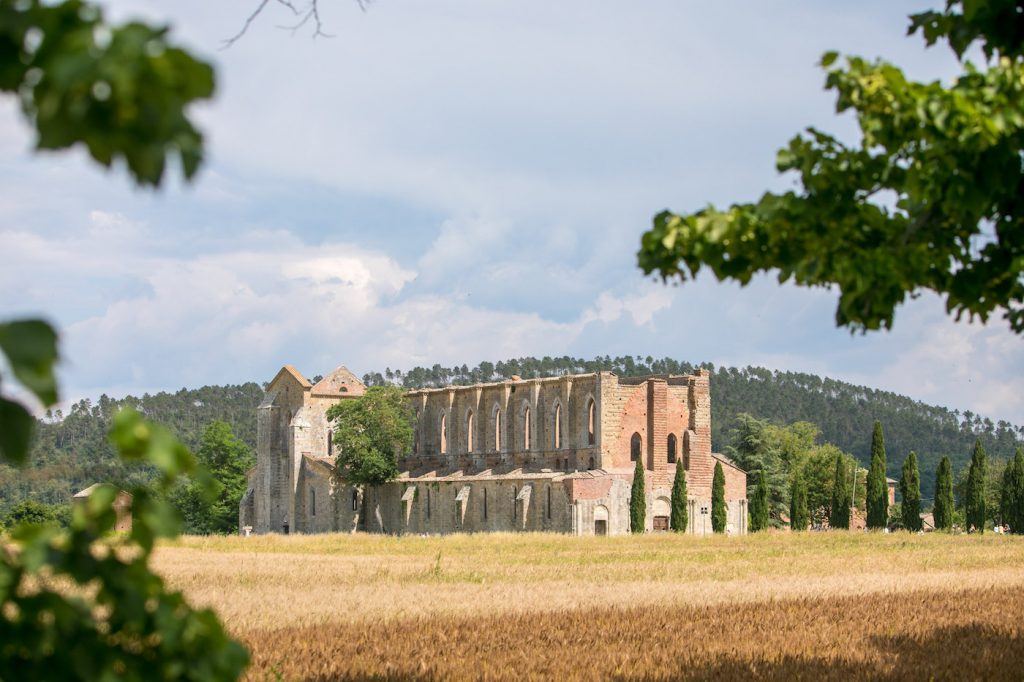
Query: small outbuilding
(122,506)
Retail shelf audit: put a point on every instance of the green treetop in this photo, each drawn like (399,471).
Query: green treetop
(943,512)
(680,512)
(841,499)
(974,504)
(1013,509)
(878,487)
(799,518)
(718,511)
(910,492)
(929,198)
(228,460)
(370,432)
(759,504)
(638,500)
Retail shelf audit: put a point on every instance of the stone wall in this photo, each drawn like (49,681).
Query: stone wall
(536,455)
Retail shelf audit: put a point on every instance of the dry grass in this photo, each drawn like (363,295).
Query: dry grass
(521,605)
(923,635)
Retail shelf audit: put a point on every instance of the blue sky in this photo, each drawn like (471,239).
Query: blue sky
(462,181)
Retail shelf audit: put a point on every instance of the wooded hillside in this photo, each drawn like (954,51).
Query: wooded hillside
(71,450)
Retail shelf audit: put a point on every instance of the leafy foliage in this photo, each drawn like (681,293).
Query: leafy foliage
(30,511)
(31,350)
(719,517)
(951,157)
(974,502)
(780,451)
(638,500)
(680,513)
(944,507)
(77,606)
(839,514)
(759,519)
(228,460)
(878,487)
(370,431)
(910,492)
(799,517)
(71,450)
(121,91)
(1012,493)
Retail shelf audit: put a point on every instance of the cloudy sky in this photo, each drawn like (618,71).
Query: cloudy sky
(457,181)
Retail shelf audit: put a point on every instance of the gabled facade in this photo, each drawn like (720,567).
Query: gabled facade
(555,454)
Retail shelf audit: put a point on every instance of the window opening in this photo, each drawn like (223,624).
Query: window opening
(634,447)
(671,448)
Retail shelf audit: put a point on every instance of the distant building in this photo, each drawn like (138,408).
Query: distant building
(554,454)
(891,483)
(122,505)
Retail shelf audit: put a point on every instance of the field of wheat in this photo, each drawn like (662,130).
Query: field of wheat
(810,606)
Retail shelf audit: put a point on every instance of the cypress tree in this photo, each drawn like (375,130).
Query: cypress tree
(974,505)
(799,517)
(1018,461)
(638,500)
(878,488)
(944,496)
(679,518)
(1011,502)
(718,515)
(910,491)
(759,504)
(839,517)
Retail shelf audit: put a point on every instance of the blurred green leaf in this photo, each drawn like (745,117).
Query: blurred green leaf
(31,350)
(15,431)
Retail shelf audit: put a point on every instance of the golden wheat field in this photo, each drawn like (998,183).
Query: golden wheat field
(520,606)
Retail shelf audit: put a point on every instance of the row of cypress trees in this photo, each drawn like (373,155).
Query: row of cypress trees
(1011,495)
(679,515)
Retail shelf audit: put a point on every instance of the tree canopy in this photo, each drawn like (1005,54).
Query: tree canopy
(370,432)
(928,199)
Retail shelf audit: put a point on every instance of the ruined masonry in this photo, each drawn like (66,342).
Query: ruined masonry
(554,454)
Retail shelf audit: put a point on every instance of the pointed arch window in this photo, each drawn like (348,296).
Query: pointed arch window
(469,432)
(558,426)
(444,433)
(635,445)
(526,427)
(672,448)
(330,443)
(591,415)
(497,429)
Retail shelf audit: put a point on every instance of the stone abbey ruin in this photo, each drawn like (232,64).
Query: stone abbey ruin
(554,454)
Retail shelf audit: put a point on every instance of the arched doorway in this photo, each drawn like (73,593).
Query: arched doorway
(600,520)
(662,511)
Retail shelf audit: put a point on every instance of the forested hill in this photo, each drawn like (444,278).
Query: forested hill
(71,450)
(844,412)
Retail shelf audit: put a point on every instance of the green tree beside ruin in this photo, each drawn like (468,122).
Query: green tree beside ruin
(680,514)
(719,515)
(974,499)
(878,486)
(910,494)
(759,519)
(944,506)
(799,517)
(839,516)
(638,500)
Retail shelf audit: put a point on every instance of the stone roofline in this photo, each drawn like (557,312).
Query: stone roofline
(670,378)
(296,374)
(726,461)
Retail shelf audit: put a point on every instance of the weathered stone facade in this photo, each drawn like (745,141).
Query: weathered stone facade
(554,454)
